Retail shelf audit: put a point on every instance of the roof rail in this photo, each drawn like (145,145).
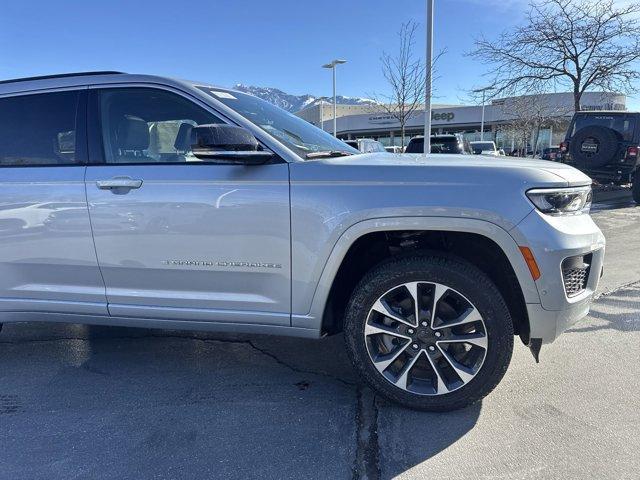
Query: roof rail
(60,75)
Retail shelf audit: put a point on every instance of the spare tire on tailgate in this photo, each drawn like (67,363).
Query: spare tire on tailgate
(594,146)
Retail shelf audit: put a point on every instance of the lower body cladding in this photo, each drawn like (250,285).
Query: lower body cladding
(569,252)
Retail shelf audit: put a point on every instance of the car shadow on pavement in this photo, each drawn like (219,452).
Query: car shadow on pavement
(619,310)
(408,438)
(171,401)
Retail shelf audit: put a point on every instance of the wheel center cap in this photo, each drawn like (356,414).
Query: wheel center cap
(426,335)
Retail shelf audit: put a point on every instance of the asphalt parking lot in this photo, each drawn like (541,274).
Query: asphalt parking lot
(97,402)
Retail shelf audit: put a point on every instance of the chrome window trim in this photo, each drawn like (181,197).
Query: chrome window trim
(43,91)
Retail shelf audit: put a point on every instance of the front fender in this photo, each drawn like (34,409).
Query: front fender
(313,318)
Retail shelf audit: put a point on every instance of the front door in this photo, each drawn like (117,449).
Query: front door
(178,238)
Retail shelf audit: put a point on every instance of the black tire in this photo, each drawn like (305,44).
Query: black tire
(604,139)
(635,187)
(454,273)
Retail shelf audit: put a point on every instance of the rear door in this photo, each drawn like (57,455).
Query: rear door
(47,259)
(178,238)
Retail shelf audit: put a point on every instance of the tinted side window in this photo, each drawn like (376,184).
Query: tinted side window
(146,125)
(38,129)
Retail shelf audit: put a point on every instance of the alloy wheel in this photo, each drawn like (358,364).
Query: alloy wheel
(426,338)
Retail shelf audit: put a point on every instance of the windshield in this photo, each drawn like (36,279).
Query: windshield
(297,134)
(438,145)
(445,145)
(370,146)
(479,147)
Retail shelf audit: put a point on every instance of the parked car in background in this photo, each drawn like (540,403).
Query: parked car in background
(394,149)
(605,145)
(179,205)
(550,153)
(440,144)
(484,148)
(366,145)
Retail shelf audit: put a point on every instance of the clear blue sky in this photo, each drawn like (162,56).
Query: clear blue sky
(276,43)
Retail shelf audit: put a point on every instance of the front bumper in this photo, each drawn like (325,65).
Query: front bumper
(547,325)
(552,240)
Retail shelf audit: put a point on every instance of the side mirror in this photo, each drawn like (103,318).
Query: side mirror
(227,144)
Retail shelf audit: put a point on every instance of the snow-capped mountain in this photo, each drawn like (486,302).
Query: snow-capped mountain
(295,103)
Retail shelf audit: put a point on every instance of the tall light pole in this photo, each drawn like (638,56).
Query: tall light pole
(484,92)
(428,71)
(332,66)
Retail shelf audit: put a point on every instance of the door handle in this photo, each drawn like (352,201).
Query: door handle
(124,183)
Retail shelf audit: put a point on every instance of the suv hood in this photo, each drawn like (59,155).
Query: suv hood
(386,185)
(539,172)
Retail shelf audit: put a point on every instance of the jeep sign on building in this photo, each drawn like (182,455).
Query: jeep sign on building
(360,121)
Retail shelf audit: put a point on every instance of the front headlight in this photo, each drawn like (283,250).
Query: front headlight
(561,201)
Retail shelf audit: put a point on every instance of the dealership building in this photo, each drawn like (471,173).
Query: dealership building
(503,118)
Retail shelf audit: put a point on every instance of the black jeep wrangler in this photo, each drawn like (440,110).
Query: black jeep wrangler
(606,146)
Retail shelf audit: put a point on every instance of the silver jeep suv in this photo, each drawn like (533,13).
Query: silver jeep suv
(143,201)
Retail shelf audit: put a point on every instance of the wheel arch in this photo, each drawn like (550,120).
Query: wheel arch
(366,243)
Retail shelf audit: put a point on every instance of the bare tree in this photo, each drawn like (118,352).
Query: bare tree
(405,74)
(576,44)
(527,116)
